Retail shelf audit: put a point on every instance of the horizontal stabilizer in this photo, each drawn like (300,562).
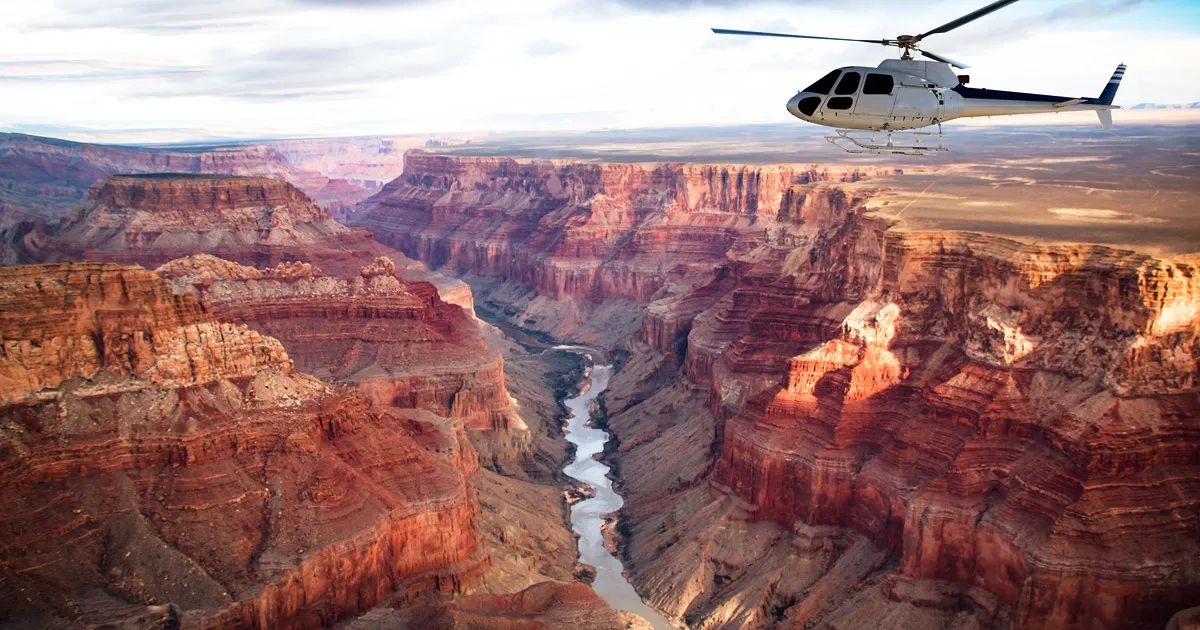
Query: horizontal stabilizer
(1105,118)
(1074,101)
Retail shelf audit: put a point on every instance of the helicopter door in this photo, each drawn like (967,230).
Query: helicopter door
(877,98)
(840,105)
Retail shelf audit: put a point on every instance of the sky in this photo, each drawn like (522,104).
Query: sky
(173,70)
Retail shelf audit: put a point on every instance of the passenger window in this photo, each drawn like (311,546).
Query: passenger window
(824,84)
(878,84)
(849,84)
(839,102)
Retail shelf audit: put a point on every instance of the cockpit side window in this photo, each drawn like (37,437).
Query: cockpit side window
(849,84)
(878,84)
(824,84)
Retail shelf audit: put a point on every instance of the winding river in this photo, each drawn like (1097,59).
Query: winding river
(586,515)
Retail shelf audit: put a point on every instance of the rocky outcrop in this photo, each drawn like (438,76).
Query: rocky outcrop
(395,340)
(579,233)
(161,467)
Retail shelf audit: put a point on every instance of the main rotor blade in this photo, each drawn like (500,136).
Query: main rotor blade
(942,59)
(970,17)
(725,31)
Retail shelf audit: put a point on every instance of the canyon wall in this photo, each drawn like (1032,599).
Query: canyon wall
(826,420)
(581,234)
(161,468)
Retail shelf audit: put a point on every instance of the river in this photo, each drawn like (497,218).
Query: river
(586,515)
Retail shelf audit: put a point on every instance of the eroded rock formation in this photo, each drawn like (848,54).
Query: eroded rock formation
(829,422)
(161,467)
(396,340)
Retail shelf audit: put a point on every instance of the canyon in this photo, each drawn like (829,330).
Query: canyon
(819,416)
(825,419)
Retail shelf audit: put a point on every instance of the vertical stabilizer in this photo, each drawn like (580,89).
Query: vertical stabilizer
(1105,118)
(1110,91)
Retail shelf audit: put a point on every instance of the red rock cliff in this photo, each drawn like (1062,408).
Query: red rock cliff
(159,465)
(396,340)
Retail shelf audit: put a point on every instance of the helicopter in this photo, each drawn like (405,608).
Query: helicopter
(903,95)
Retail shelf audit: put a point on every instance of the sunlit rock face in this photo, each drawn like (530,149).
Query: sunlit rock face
(161,467)
(999,415)
(829,421)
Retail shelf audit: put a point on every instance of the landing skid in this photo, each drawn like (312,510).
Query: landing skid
(895,142)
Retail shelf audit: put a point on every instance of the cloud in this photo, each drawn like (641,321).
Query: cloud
(312,72)
(995,29)
(547,48)
(165,16)
(84,70)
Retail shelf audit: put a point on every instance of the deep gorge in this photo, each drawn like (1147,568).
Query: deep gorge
(823,419)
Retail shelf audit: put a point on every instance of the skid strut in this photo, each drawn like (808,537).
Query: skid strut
(895,142)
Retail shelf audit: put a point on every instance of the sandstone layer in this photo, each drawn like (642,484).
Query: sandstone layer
(161,468)
(827,421)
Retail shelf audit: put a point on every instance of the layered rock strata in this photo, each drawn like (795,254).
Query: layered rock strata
(578,234)
(830,422)
(161,467)
(395,340)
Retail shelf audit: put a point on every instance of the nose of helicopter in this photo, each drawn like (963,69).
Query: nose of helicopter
(803,104)
(793,103)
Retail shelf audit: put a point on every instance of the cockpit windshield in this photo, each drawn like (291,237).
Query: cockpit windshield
(824,84)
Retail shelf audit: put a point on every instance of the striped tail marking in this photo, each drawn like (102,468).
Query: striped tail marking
(1110,90)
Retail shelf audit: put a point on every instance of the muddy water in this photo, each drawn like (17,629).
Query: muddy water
(586,516)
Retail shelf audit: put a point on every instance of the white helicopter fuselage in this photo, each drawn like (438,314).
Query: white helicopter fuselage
(907,94)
